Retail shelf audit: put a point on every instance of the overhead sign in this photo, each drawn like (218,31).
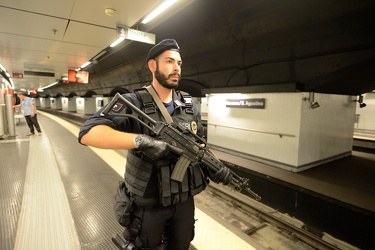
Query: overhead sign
(254,103)
(135,35)
(17,75)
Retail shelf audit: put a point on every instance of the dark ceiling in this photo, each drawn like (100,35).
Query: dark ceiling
(265,46)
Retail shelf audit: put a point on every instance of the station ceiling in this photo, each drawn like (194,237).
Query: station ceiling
(227,46)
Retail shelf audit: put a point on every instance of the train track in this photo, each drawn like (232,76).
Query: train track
(262,223)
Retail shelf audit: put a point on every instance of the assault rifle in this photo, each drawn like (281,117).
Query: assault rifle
(194,151)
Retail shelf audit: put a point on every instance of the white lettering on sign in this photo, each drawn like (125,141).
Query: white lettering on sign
(135,35)
(255,103)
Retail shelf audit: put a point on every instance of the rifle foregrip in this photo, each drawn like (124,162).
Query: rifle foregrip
(180,168)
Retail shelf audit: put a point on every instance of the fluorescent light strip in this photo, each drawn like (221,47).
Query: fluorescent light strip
(158,10)
(117,42)
(10,81)
(52,84)
(85,64)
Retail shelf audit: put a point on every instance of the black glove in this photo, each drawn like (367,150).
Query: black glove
(223,175)
(155,149)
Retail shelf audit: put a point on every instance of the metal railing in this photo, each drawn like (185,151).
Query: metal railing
(253,130)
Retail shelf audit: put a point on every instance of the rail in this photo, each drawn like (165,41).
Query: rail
(288,229)
(253,130)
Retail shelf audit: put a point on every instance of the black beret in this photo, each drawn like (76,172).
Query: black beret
(159,48)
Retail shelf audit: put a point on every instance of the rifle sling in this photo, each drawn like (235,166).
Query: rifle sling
(160,105)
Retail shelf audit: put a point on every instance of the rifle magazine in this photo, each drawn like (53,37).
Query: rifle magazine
(180,168)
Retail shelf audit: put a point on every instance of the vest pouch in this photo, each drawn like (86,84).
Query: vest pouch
(198,182)
(172,192)
(165,184)
(139,174)
(122,205)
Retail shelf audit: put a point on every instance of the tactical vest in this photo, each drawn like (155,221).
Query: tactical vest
(149,181)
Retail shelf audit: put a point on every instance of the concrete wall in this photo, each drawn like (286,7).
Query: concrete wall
(86,105)
(55,103)
(69,104)
(45,103)
(288,133)
(327,131)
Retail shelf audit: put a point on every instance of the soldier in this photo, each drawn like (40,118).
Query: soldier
(162,211)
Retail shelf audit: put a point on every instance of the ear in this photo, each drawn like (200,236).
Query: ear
(152,65)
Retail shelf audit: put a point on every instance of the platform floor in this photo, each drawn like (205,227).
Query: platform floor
(58,194)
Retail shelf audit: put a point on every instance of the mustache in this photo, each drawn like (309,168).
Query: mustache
(174,74)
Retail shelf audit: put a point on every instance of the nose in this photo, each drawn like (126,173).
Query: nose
(177,67)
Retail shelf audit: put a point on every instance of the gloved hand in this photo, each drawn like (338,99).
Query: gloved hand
(223,175)
(155,149)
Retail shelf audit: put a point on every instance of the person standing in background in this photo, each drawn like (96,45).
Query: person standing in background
(30,112)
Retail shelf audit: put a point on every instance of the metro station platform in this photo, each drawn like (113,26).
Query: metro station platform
(58,194)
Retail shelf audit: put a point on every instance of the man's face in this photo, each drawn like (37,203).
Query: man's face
(168,69)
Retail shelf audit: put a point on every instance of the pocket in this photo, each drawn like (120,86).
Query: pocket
(122,205)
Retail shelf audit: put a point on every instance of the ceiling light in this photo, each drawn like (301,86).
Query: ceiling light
(110,12)
(85,64)
(117,42)
(48,86)
(158,10)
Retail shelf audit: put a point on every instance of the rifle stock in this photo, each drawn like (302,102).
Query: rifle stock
(193,146)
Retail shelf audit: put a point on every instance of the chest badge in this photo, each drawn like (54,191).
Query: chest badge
(194,127)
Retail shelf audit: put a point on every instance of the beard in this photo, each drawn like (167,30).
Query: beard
(165,81)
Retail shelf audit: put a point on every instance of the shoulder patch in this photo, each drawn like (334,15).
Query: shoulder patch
(117,107)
